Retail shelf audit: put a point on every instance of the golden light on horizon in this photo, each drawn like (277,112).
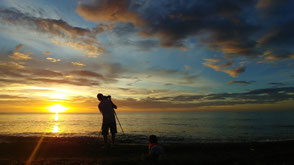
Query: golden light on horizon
(57,108)
(60,96)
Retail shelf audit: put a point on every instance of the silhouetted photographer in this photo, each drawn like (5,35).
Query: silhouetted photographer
(106,107)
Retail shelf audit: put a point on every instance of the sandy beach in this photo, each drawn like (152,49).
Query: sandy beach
(90,150)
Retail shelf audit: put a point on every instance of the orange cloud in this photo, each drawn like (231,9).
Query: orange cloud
(47,52)
(187,67)
(16,55)
(20,56)
(109,11)
(270,57)
(59,27)
(212,60)
(215,64)
(91,49)
(77,64)
(11,65)
(18,47)
(235,72)
(53,59)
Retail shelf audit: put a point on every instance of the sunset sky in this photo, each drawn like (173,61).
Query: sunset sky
(149,55)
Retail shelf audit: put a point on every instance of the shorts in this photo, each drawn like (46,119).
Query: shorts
(107,126)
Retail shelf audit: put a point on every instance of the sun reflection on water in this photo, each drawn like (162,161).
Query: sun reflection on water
(55,128)
(56,117)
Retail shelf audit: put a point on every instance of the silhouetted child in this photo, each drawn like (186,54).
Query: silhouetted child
(155,150)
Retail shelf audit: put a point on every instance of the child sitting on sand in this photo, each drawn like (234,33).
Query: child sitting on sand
(155,150)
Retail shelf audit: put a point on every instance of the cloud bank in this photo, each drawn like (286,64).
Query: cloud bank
(235,28)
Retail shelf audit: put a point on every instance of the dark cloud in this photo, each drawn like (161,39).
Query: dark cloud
(102,28)
(271,91)
(183,77)
(4,82)
(181,98)
(145,45)
(123,31)
(11,97)
(77,82)
(57,27)
(9,73)
(25,73)
(272,7)
(163,71)
(175,22)
(134,82)
(109,74)
(86,73)
(282,35)
(196,102)
(240,82)
(81,78)
(111,71)
(277,84)
(51,80)
(259,96)
(278,41)
(233,27)
(78,38)
(143,91)
(47,73)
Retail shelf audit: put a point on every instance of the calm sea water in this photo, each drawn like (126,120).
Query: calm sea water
(175,126)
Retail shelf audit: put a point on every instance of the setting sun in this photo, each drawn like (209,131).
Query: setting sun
(57,108)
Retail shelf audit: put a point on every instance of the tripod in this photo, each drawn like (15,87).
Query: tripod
(119,123)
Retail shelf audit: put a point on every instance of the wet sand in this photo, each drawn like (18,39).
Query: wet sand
(90,150)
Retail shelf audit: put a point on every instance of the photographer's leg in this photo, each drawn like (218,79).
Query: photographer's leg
(113,132)
(113,137)
(105,139)
(104,132)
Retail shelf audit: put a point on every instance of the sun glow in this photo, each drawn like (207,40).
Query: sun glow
(60,96)
(57,108)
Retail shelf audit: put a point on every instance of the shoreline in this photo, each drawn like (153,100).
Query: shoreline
(90,150)
(137,138)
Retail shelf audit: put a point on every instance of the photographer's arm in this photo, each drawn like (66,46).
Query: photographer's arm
(113,105)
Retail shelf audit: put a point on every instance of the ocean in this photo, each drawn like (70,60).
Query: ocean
(169,126)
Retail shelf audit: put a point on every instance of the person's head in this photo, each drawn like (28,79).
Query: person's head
(100,96)
(152,139)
